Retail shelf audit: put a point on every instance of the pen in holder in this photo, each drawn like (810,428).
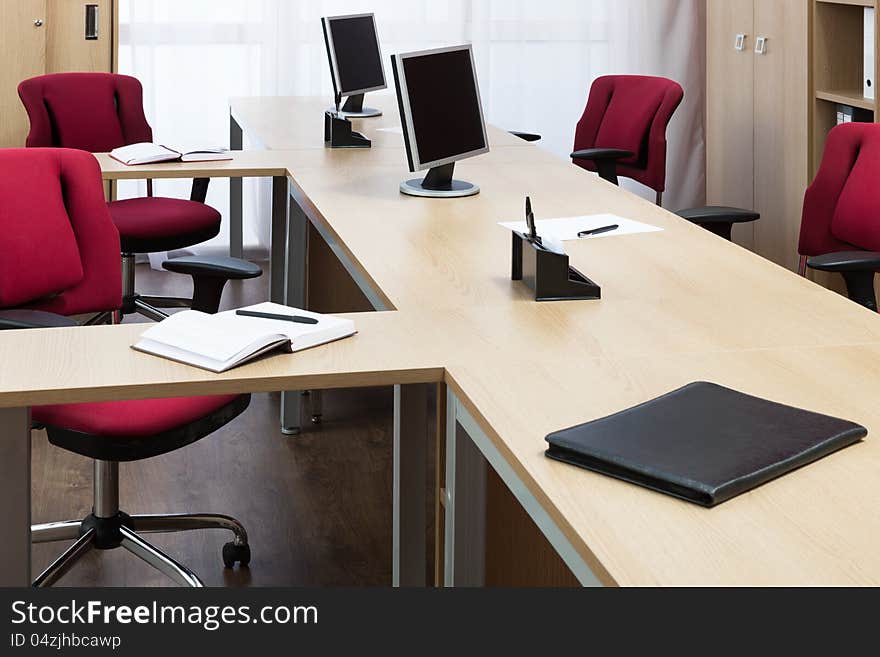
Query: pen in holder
(338,133)
(549,274)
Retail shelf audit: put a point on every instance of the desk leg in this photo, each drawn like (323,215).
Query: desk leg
(236,195)
(469,451)
(410,483)
(295,261)
(278,255)
(465,549)
(15,496)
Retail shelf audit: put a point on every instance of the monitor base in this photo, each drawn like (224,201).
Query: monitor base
(365,113)
(353,108)
(457,189)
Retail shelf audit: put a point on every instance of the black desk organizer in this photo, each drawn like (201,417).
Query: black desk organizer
(338,133)
(549,274)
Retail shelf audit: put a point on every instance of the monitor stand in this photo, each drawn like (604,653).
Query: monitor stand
(438,183)
(353,108)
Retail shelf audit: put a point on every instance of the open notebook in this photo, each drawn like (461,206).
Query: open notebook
(225,340)
(148,153)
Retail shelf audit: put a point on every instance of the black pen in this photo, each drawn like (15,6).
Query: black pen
(598,231)
(284,318)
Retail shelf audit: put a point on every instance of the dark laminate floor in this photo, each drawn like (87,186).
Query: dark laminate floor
(317,507)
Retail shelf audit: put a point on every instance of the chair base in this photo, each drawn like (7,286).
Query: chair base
(122,530)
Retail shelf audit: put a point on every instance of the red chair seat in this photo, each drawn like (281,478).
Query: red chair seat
(151,224)
(130,419)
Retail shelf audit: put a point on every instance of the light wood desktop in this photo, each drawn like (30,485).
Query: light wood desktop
(678,306)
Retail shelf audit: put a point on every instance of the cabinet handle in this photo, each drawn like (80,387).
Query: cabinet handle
(740,42)
(760,45)
(91,23)
(38,22)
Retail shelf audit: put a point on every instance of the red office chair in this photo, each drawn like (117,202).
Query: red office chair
(840,230)
(623,129)
(60,257)
(623,133)
(98,112)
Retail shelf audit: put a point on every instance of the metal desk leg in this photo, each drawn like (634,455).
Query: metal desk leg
(410,483)
(236,195)
(15,496)
(295,259)
(278,255)
(465,549)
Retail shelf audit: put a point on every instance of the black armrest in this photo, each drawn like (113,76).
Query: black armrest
(29,319)
(214,267)
(715,214)
(526,136)
(718,219)
(846,261)
(857,268)
(602,154)
(605,159)
(210,275)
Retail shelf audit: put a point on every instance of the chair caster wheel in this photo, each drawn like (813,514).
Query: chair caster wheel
(233,553)
(317,419)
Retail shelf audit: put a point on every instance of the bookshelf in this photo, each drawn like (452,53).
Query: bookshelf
(837,67)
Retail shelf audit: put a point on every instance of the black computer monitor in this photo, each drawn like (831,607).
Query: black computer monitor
(355,60)
(442,117)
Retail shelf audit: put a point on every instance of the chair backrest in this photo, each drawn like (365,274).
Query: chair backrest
(631,112)
(59,246)
(94,112)
(842,206)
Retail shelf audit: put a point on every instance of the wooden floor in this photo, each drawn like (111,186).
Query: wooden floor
(317,506)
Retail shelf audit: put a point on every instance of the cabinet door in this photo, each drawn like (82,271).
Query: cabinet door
(23,53)
(730,108)
(67,48)
(781,136)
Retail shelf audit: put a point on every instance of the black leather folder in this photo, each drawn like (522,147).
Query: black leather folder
(703,443)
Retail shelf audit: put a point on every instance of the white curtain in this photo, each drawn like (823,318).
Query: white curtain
(536,60)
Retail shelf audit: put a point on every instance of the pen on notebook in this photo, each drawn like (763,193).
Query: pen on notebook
(284,318)
(598,231)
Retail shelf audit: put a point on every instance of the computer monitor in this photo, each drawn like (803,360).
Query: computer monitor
(442,117)
(355,60)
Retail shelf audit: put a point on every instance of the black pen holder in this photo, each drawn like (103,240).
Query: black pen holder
(549,274)
(338,133)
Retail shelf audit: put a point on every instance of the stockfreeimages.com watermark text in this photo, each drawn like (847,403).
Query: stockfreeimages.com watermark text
(208,617)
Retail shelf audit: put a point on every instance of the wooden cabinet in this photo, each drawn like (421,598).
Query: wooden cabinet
(23,53)
(47,36)
(757,118)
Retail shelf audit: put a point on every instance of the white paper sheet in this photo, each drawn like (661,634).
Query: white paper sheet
(397,131)
(566,229)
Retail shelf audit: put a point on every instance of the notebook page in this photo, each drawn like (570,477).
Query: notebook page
(218,337)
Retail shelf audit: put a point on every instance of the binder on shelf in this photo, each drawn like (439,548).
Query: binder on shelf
(549,274)
(850,114)
(870,41)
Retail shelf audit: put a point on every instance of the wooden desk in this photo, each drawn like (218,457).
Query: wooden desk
(52,366)
(814,526)
(297,122)
(678,306)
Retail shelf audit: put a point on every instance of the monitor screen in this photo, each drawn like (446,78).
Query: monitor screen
(355,56)
(440,104)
